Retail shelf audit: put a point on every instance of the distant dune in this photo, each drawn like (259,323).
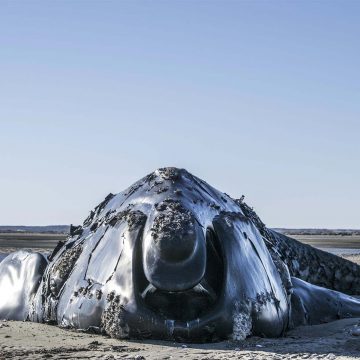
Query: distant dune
(310,231)
(64,229)
(56,229)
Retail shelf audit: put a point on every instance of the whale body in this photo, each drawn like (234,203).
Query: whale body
(173,258)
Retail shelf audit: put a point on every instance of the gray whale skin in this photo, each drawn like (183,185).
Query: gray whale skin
(173,258)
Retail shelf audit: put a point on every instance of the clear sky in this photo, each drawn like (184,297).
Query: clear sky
(260,98)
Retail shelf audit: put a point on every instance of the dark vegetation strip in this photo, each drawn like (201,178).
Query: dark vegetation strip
(30,240)
(49,240)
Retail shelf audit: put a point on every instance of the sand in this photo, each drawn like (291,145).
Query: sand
(25,340)
(352,257)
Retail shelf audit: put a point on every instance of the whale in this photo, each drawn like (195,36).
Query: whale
(173,258)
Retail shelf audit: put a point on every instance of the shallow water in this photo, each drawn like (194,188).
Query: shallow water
(341,251)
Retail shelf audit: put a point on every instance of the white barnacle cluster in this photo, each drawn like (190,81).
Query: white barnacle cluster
(242,323)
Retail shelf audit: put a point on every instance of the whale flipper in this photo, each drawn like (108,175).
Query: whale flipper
(20,276)
(312,305)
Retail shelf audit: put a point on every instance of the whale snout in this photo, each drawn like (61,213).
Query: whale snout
(174,249)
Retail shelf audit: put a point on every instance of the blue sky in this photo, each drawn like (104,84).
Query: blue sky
(260,98)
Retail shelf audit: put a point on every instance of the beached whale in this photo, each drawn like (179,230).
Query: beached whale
(173,258)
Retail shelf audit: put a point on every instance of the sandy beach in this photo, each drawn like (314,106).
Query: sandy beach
(24,340)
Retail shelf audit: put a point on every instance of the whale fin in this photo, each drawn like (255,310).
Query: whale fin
(20,276)
(311,304)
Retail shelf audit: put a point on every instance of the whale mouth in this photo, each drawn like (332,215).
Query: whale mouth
(181,305)
(193,303)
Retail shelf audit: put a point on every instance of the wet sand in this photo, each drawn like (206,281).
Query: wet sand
(330,241)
